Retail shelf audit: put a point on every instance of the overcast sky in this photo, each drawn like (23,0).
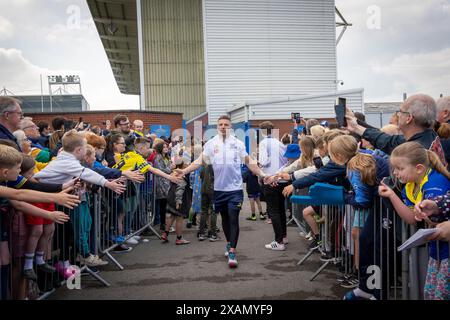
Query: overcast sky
(393,47)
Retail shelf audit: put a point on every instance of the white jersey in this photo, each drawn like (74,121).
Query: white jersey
(271,155)
(226,159)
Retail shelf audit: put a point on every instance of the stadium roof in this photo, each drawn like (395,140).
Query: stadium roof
(116,22)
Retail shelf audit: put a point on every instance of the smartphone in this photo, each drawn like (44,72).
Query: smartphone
(318,162)
(340,109)
(296,116)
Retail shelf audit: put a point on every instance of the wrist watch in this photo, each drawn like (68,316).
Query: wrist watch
(292,176)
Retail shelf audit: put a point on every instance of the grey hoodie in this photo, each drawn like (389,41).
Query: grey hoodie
(66,167)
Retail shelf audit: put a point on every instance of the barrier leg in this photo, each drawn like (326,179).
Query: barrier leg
(96,276)
(112,259)
(323,266)
(310,252)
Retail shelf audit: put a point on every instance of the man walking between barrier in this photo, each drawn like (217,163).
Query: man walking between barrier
(226,154)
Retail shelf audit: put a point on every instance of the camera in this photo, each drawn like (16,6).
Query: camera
(296,116)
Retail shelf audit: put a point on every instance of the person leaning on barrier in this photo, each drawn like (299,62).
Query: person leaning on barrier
(99,145)
(415,120)
(10,116)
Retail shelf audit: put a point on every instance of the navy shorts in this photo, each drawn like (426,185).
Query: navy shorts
(254,196)
(228,200)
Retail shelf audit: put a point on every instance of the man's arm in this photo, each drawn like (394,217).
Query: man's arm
(253,166)
(193,166)
(378,139)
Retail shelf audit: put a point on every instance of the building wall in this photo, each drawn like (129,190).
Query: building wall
(96,118)
(268,49)
(203,120)
(173,56)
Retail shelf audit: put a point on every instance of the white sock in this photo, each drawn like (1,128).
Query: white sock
(362,294)
(40,258)
(28,264)
(66,264)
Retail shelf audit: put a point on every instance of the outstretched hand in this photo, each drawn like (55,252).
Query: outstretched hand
(287,191)
(178,173)
(59,217)
(424,209)
(64,198)
(176,179)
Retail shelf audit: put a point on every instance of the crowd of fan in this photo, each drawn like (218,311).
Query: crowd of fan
(49,165)
(41,168)
(404,163)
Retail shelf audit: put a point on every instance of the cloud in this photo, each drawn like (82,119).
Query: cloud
(19,75)
(6,29)
(423,72)
(22,77)
(407,54)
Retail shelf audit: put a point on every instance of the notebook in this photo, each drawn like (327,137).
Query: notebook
(417,239)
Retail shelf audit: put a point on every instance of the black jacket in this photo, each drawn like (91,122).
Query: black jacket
(331,173)
(7,135)
(387,143)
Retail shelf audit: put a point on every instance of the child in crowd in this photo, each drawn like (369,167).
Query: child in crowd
(425,177)
(254,194)
(40,231)
(136,160)
(10,162)
(162,186)
(328,171)
(196,207)
(66,166)
(208,213)
(176,200)
(364,172)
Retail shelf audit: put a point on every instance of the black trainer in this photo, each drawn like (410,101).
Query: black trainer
(314,244)
(29,274)
(46,268)
(122,249)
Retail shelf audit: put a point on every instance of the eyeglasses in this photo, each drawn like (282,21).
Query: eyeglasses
(20,113)
(401,111)
(124,124)
(33,126)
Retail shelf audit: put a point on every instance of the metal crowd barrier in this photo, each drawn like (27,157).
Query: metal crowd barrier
(383,271)
(94,228)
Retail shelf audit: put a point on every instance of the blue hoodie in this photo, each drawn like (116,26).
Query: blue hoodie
(363,194)
(330,173)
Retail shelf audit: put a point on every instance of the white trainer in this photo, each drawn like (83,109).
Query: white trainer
(275,246)
(93,261)
(131,241)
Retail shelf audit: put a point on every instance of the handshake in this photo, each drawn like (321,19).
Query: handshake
(273,180)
